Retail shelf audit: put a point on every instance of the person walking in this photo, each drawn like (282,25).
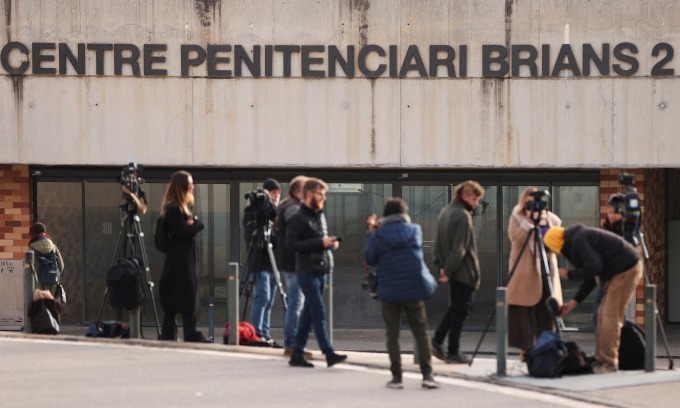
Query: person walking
(179,284)
(594,252)
(457,261)
(404,282)
(286,263)
(528,313)
(40,242)
(307,236)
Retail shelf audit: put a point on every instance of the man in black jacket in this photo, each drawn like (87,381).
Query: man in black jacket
(594,252)
(286,264)
(307,236)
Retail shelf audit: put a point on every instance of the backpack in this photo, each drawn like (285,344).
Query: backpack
(124,283)
(546,358)
(49,273)
(161,239)
(246,334)
(631,347)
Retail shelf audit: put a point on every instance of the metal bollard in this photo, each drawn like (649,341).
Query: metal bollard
(29,287)
(233,301)
(650,327)
(136,322)
(501,331)
(328,301)
(211,320)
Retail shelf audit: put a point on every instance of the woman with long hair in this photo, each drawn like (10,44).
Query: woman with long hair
(178,285)
(41,242)
(527,292)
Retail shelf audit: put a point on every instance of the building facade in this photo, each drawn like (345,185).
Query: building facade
(378,98)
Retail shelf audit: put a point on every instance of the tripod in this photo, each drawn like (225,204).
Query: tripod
(551,302)
(260,241)
(131,244)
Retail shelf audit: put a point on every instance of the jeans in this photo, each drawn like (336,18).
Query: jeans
(417,321)
(313,313)
(295,301)
(263,300)
(460,298)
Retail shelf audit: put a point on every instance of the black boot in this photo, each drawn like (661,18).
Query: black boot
(333,359)
(197,338)
(298,360)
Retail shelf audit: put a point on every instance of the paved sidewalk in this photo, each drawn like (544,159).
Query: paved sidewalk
(365,347)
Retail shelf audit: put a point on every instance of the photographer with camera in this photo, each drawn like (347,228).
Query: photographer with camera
(396,247)
(307,236)
(527,291)
(259,216)
(594,252)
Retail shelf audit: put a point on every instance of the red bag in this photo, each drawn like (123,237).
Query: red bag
(246,334)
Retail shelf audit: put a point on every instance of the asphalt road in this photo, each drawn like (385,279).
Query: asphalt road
(38,373)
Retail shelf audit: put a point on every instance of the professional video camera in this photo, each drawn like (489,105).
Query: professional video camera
(260,203)
(538,203)
(130,177)
(632,209)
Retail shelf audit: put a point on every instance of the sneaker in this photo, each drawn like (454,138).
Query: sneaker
(288,352)
(458,358)
(438,350)
(395,384)
(268,343)
(429,382)
(600,367)
(296,360)
(332,358)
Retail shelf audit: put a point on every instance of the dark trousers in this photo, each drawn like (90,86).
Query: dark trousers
(417,321)
(460,298)
(169,330)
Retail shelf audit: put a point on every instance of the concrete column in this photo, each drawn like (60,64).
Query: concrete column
(29,287)
(136,322)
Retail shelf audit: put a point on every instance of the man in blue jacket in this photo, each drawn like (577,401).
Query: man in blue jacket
(404,282)
(594,252)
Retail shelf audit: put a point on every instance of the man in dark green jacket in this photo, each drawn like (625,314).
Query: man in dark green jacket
(458,264)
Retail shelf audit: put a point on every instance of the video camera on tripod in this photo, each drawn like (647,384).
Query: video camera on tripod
(632,210)
(131,182)
(537,204)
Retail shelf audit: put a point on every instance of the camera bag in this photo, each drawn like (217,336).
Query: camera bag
(631,347)
(124,283)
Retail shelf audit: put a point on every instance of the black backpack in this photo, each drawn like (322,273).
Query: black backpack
(124,283)
(161,238)
(546,359)
(631,347)
(49,273)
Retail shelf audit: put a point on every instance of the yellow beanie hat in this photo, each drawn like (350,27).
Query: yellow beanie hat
(554,239)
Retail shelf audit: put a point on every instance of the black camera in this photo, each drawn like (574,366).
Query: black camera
(260,203)
(632,209)
(130,177)
(539,201)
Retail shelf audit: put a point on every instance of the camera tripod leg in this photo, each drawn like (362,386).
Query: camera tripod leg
(145,263)
(277,277)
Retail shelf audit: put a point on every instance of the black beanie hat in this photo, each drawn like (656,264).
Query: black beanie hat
(270,184)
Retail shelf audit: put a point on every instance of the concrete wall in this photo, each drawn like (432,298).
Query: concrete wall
(564,121)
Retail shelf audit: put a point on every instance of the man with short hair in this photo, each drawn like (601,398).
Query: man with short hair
(457,261)
(265,287)
(307,236)
(594,252)
(286,264)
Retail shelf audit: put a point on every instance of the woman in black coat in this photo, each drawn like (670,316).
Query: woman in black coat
(178,285)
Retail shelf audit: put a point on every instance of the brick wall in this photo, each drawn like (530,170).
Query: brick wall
(15,210)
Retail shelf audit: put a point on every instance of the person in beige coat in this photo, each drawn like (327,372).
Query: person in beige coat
(528,314)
